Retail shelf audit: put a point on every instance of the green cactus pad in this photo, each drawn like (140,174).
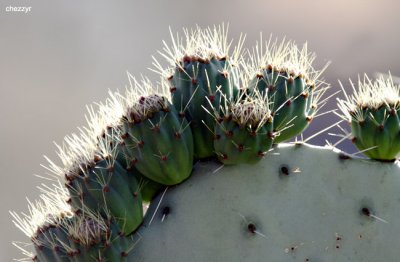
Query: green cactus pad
(284,72)
(147,187)
(292,98)
(243,130)
(235,144)
(194,81)
(373,113)
(303,203)
(201,64)
(106,187)
(80,238)
(379,133)
(158,144)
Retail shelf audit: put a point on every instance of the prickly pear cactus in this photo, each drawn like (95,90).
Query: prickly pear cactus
(59,234)
(202,65)
(243,130)
(297,203)
(285,73)
(80,238)
(101,184)
(154,138)
(284,208)
(373,112)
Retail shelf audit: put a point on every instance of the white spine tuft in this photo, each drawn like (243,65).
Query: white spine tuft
(369,94)
(49,209)
(284,56)
(198,43)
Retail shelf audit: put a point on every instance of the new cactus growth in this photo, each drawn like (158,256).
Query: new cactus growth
(281,208)
(95,180)
(373,112)
(285,73)
(243,130)
(59,235)
(81,238)
(154,138)
(201,66)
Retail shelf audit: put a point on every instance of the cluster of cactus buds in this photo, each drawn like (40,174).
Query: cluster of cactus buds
(373,113)
(201,69)
(211,103)
(285,74)
(243,129)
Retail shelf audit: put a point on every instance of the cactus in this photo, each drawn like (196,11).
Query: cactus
(98,182)
(59,235)
(373,112)
(243,130)
(153,137)
(283,207)
(285,73)
(107,123)
(200,67)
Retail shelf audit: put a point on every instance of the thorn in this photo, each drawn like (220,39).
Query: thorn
(366,212)
(158,205)
(165,213)
(218,169)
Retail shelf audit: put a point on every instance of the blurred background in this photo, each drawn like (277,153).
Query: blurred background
(63,55)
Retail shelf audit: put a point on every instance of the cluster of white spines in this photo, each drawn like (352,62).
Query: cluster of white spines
(371,94)
(284,56)
(76,152)
(49,209)
(198,43)
(88,228)
(139,99)
(142,98)
(252,111)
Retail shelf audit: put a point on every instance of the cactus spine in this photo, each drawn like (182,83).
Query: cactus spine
(201,67)
(285,73)
(243,130)
(373,112)
(154,138)
(210,103)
